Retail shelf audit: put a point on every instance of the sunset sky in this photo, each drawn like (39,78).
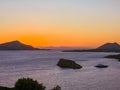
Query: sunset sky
(84,23)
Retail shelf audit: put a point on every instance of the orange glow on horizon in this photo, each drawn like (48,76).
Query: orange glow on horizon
(54,23)
(58,36)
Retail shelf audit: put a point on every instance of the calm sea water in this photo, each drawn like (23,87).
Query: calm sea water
(41,66)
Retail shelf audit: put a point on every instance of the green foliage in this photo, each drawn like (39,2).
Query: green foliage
(56,88)
(28,84)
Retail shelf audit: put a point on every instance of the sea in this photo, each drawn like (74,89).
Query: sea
(41,66)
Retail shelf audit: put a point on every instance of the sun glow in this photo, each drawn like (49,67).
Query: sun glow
(60,23)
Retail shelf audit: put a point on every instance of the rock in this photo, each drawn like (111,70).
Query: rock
(114,56)
(101,66)
(64,63)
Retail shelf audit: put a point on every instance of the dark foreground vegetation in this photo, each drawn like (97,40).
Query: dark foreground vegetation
(28,84)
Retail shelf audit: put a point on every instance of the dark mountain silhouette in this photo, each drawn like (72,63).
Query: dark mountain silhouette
(16,45)
(107,47)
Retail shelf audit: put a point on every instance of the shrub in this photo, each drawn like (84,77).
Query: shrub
(28,84)
(56,88)
(5,88)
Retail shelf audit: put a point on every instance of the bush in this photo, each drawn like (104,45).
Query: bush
(56,88)
(5,88)
(28,84)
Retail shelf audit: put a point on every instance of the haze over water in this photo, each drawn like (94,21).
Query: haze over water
(41,66)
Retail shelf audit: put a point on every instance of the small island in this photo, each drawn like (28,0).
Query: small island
(101,66)
(114,56)
(64,63)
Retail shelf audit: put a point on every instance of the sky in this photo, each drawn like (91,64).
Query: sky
(84,23)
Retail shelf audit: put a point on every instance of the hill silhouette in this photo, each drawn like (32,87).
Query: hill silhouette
(107,47)
(16,45)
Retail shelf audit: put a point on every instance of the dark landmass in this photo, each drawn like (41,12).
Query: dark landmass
(101,66)
(108,47)
(28,84)
(62,47)
(64,63)
(113,57)
(16,45)
(5,88)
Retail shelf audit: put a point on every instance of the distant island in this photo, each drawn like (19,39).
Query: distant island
(17,45)
(107,47)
